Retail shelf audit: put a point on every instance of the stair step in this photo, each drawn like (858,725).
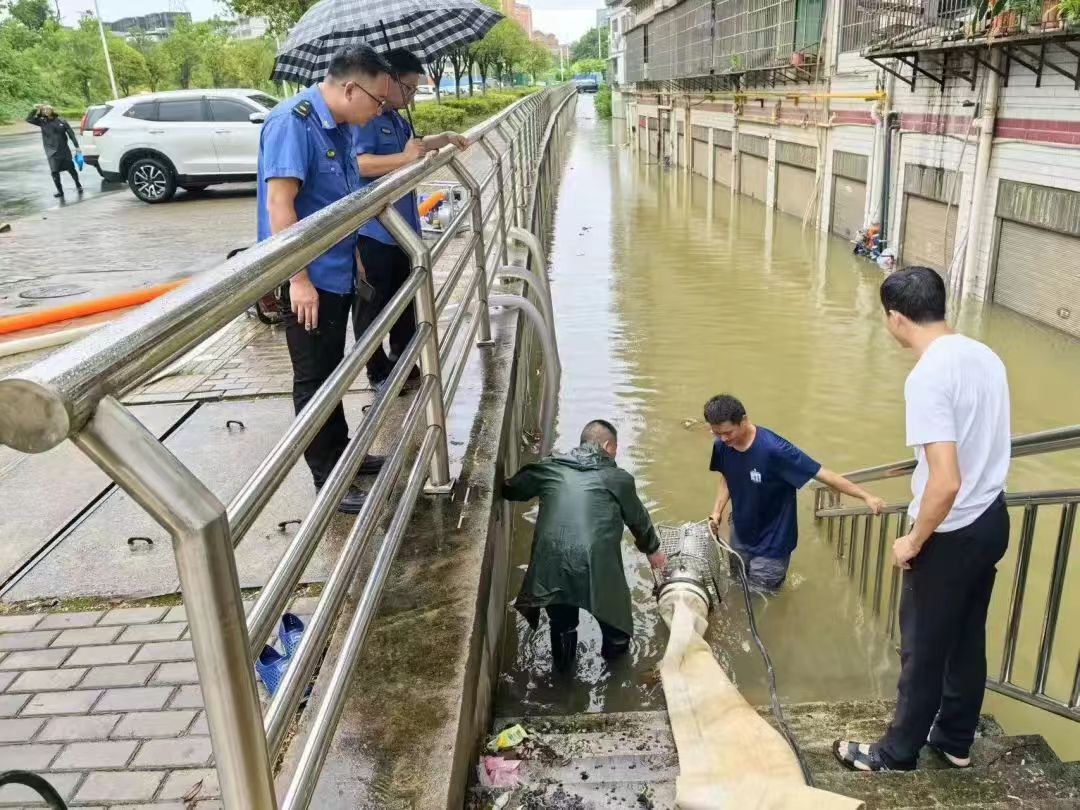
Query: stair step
(622,722)
(1034,785)
(987,751)
(601,768)
(628,795)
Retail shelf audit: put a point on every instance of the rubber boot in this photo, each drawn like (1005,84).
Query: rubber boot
(611,649)
(563,649)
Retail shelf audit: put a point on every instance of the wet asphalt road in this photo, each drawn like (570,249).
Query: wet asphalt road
(25,183)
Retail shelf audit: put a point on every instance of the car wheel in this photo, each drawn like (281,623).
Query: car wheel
(152,180)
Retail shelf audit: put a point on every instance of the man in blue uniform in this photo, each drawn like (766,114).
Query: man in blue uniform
(306,163)
(384,145)
(760,473)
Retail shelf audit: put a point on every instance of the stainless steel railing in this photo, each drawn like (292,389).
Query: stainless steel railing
(862,541)
(75,394)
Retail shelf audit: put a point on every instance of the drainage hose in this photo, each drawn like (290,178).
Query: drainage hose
(80,309)
(36,783)
(774,699)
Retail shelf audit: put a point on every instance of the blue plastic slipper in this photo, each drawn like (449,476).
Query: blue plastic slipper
(290,631)
(271,668)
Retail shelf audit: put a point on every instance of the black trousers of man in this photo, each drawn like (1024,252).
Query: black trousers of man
(943,609)
(563,622)
(64,166)
(386,268)
(315,354)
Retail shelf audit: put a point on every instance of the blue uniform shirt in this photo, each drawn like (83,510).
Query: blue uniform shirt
(762,481)
(386,134)
(319,153)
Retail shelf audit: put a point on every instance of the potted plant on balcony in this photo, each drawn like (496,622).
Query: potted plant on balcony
(1051,15)
(1027,13)
(1069,11)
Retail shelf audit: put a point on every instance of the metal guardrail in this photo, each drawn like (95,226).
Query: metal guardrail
(854,530)
(74,394)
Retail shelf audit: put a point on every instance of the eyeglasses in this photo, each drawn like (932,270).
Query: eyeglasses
(381,102)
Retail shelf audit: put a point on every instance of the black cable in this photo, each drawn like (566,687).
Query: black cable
(774,699)
(36,783)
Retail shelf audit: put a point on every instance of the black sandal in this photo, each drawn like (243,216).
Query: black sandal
(960,763)
(858,756)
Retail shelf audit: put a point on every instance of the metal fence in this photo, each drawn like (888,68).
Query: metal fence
(862,541)
(74,394)
(869,24)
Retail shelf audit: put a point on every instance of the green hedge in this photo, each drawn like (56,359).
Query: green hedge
(603,101)
(459,114)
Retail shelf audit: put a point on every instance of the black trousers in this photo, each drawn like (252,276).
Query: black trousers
(564,619)
(315,355)
(386,268)
(943,608)
(70,169)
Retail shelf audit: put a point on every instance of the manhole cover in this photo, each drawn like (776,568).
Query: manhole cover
(54,291)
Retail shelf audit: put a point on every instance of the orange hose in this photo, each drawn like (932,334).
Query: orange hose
(431,202)
(79,309)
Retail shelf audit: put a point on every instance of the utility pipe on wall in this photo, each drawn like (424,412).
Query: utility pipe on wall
(982,169)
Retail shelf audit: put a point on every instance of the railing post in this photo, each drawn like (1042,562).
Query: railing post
(133,457)
(1016,599)
(479,248)
(500,190)
(410,241)
(1053,599)
(512,150)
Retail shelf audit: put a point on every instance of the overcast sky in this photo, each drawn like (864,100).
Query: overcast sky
(567,19)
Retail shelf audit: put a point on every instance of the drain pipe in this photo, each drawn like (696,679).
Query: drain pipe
(544,297)
(892,123)
(982,168)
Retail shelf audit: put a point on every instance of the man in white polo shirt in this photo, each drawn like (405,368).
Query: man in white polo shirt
(957,404)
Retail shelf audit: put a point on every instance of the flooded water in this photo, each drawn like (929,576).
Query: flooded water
(666,291)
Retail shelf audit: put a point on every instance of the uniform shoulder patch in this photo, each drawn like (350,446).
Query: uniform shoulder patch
(302,109)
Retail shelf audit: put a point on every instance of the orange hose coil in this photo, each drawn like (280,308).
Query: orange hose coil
(80,309)
(431,202)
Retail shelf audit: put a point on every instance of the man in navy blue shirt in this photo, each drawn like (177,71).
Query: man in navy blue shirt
(760,473)
(305,164)
(384,145)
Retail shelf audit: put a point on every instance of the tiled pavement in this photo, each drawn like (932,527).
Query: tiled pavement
(105,704)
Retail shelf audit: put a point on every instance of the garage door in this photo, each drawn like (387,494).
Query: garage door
(643,139)
(794,189)
(753,175)
(848,202)
(1037,275)
(701,158)
(929,231)
(723,166)
(680,147)
(654,125)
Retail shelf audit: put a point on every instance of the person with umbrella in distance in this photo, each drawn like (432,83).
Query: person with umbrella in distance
(55,133)
(383,145)
(306,162)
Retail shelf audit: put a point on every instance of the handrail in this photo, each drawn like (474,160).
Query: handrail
(73,394)
(1028,444)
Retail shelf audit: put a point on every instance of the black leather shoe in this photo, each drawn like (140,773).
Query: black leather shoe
(371,465)
(353,501)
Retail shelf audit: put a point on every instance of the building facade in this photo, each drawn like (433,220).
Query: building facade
(619,21)
(520,12)
(154,26)
(957,136)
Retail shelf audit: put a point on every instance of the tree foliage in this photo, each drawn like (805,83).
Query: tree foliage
(587,48)
(281,14)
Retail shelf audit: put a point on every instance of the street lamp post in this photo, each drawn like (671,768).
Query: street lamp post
(105,47)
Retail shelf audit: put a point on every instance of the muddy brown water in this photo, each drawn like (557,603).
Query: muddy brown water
(667,290)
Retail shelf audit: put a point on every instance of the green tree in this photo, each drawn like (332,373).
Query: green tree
(281,14)
(80,61)
(31,13)
(459,61)
(437,69)
(187,48)
(129,66)
(588,48)
(537,61)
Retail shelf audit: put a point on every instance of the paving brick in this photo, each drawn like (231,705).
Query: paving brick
(86,636)
(65,621)
(166,651)
(28,757)
(102,754)
(96,656)
(6,678)
(182,783)
(188,697)
(19,624)
(176,673)
(134,615)
(77,701)
(139,633)
(35,659)
(153,724)
(118,675)
(47,680)
(176,614)
(63,783)
(70,729)
(184,751)
(34,640)
(200,726)
(120,786)
(20,730)
(142,698)
(10,704)
(305,605)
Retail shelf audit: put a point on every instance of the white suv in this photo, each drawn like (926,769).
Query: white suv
(189,139)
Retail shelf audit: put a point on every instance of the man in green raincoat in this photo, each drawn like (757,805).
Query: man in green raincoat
(585,500)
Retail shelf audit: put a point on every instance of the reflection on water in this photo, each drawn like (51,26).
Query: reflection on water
(666,291)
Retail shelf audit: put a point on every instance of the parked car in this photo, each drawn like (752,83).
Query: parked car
(190,139)
(93,114)
(586,83)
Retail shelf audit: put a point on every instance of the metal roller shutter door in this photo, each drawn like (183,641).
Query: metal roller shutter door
(794,189)
(1037,275)
(701,158)
(928,237)
(753,175)
(680,149)
(723,166)
(848,202)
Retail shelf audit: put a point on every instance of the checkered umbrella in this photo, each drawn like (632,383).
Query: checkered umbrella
(428,28)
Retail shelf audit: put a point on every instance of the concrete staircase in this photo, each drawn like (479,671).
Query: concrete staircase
(629,761)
